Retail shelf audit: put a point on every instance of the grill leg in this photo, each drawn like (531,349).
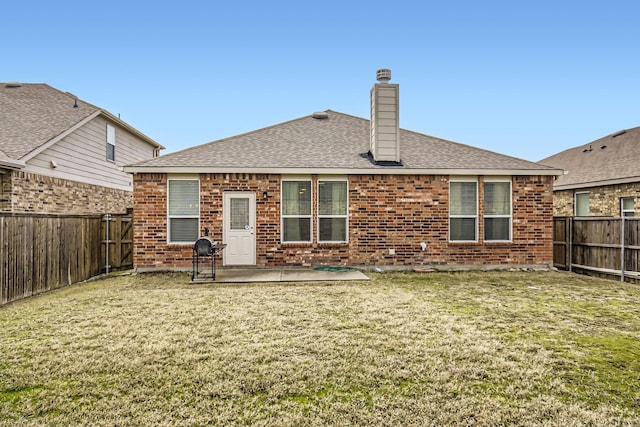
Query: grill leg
(193,266)
(213,265)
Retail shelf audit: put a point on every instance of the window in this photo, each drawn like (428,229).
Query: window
(463,211)
(296,211)
(497,210)
(627,206)
(332,211)
(582,204)
(183,210)
(111,143)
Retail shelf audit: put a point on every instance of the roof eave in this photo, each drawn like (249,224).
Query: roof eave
(340,171)
(602,183)
(12,164)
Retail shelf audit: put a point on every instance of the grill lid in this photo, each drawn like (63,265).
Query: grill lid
(204,246)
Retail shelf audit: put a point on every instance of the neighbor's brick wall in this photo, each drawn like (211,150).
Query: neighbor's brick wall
(37,193)
(390,212)
(603,201)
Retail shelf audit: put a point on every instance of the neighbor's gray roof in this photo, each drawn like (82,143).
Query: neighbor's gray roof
(32,114)
(337,144)
(613,159)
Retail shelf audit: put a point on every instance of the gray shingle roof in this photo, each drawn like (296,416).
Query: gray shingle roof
(340,142)
(613,158)
(31,114)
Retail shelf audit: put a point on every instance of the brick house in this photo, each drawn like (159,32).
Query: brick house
(59,154)
(602,178)
(334,189)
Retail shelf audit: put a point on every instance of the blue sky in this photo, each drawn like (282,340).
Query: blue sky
(527,79)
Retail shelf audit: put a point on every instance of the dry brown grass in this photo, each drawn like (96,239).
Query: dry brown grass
(500,348)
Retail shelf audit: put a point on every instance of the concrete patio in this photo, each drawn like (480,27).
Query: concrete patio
(252,275)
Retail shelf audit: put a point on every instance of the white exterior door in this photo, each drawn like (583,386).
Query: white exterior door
(239,213)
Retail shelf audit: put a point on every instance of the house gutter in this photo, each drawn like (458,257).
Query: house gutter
(339,171)
(590,184)
(12,164)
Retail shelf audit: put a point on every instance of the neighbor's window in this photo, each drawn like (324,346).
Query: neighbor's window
(332,211)
(183,210)
(463,211)
(111,143)
(582,204)
(296,211)
(628,206)
(497,210)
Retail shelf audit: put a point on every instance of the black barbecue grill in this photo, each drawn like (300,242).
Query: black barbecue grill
(205,247)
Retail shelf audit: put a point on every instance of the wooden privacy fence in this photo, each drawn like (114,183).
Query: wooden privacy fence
(42,252)
(602,245)
(117,242)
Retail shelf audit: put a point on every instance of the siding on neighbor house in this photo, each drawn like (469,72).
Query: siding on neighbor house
(385,212)
(81,156)
(603,200)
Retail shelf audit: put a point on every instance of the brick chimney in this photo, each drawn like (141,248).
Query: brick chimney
(385,123)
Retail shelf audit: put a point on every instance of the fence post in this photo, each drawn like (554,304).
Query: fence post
(622,246)
(107,218)
(570,242)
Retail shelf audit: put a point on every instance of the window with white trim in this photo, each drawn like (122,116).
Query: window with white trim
(581,204)
(111,143)
(332,210)
(296,210)
(627,206)
(183,206)
(497,210)
(463,210)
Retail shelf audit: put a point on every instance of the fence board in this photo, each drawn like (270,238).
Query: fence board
(119,240)
(596,244)
(42,252)
(561,242)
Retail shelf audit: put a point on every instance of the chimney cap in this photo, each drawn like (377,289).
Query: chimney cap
(383,75)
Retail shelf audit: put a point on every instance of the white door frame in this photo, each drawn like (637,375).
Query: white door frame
(241,243)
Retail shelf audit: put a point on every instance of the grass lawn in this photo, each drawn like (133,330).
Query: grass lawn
(495,348)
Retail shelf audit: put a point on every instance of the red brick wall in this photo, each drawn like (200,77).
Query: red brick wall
(385,212)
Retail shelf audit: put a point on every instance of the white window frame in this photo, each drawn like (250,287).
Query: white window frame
(111,142)
(169,216)
(345,216)
(627,212)
(489,215)
(473,179)
(283,216)
(575,203)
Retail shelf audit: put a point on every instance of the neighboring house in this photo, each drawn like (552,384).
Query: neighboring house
(602,178)
(334,189)
(59,154)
